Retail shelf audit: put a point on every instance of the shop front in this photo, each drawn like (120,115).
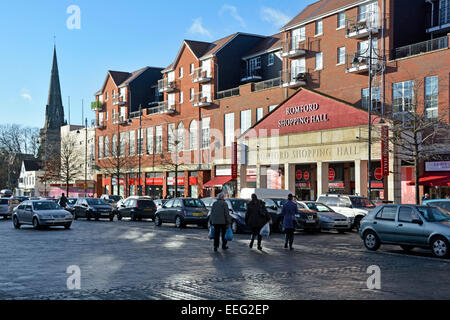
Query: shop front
(171,185)
(312,144)
(154,182)
(435,179)
(222,182)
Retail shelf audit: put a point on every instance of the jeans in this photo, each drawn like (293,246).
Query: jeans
(290,236)
(256,232)
(220,230)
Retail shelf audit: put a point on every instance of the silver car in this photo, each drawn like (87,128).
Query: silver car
(408,226)
(41,213)
(329,219)
(5,211)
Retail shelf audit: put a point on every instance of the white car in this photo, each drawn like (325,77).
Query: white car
(353,207)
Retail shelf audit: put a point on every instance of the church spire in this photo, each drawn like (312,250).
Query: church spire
(54,117)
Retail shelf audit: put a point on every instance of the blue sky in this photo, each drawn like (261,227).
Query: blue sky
(114,35)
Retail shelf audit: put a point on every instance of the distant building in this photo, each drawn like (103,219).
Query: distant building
(29,183)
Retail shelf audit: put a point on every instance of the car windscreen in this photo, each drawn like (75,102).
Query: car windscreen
(193,203)
(239,205)
(71,201)
(145,204)
(96,202)
(318,207)
(45,205)
(4,201)
(434,214)
(279,202)
(115,198)
(359,202)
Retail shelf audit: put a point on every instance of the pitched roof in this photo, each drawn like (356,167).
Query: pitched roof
(32,165)
(199,48)
(268,44)
(219,44)
(317,9)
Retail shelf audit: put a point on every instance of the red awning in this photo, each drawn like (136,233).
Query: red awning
(440,179)
(217,182)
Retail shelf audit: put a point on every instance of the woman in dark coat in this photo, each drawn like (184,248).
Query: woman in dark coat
(289,211)
(256,218)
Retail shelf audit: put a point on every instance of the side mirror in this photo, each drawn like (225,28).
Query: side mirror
(417,221)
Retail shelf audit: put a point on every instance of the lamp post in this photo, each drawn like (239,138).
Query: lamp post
(140,151)
(85,157)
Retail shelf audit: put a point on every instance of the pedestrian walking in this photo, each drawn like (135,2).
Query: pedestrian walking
(426,196)
(256,218)
(63,201)
(289,211)
(220,219)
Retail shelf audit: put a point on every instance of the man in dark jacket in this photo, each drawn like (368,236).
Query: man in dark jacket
(220,219)
(63,201)
(256,218)
(289,211)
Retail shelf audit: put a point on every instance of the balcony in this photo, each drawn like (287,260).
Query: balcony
(263,85)
(360,26)
(201,75)
(228,93)
(439,22)
(293,79)
(201,100)
(251,75)
(97,106)
(421,47)
(100,125)
(119,120)
(118,101)
(294,47)
(161,108)
(358,62)
(164,85)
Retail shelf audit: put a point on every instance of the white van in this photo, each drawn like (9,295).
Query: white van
(246,193)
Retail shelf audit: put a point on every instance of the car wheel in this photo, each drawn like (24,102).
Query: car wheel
(133,216)
(341,231)
(36,223)
(67,226)
(371,241)
(119,216)
(88,216)
(439,246)
(75,217)
(16,222)
(111,218)
(406,248)
(178,222)
(158,221)
(234,227)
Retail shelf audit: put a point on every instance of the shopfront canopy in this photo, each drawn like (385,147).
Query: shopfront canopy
(217,182)
(441,179)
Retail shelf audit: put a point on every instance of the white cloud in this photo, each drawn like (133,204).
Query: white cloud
(197,28)
(233,12)
(275,17)
(25,95)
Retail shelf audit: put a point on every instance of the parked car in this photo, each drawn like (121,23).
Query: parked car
(182,211)
(111,197)
(237,209)
(5,210)
(92,208)
(137,208)
(443,203)
(380,202)
(70,204)
(21,198)
(41,213)
(329,219)
(408,226)
(261,193)
(353,207)
(159,203)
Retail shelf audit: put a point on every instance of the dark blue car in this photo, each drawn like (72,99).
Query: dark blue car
(238,210)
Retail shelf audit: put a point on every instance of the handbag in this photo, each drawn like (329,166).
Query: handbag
(211,233)
(265,231)
(229,234)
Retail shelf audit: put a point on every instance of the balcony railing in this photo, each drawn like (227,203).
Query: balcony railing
(164,85)
(228,93)
(358,62)
(251,75)
(100,124)
(421,47)
(161,107)
(258,86)
(294,47)
(439,21)
(293,78)
(118,101)
(361,25)
(201,100)
(97,106)
(201,75)
(119,119)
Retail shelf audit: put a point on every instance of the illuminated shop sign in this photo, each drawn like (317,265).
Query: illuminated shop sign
(305,118)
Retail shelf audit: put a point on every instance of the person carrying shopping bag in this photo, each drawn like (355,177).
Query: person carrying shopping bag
(256,218)
(220,219)
(289,211)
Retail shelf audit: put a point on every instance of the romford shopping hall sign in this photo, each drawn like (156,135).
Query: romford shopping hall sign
(297,155)
(304,117)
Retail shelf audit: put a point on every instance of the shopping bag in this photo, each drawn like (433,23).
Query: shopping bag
(265,231)
(211,233)
(229,234)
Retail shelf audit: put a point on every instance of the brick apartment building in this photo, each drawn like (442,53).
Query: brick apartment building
(213,92)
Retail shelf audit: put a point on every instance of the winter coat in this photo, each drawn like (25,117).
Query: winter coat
(220,213)
(257,215)
(63,201)
(289,211)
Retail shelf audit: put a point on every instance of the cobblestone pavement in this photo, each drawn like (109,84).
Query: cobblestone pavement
(136,260)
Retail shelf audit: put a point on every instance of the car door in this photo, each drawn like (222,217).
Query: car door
(408,230)
(28,213)
(19,211)
(166,211)
(177,209)
(385,224)
(125,211)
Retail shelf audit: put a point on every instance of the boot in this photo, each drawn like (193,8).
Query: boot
(251,244)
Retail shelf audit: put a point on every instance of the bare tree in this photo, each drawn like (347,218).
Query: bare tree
(419,130)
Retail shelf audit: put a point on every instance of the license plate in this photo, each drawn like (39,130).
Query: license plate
(310,218)
(197,214)
(148,209)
